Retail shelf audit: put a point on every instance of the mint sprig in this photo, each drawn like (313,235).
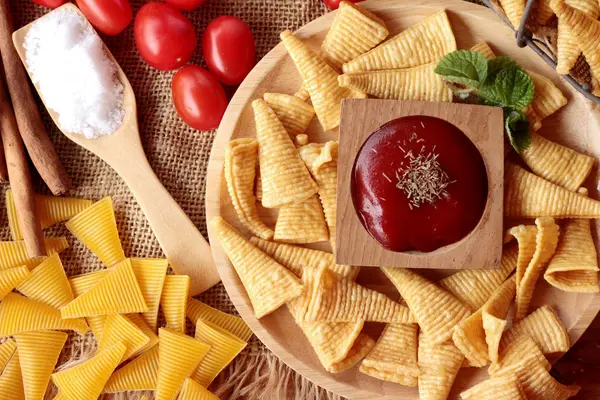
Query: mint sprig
(497,82)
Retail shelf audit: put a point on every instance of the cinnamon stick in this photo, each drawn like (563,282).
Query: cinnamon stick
(19,177)
(28,118)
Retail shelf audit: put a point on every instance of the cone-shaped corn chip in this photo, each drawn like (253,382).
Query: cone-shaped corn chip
(295,115)
(474,287)
(7,349)
(547,98)
(523,347)
(239,169)
(150,274)
(51,210)
(194,391)
(514,11)
(436,310)
(568,50)
(558,164)
(258,188)
(96,227)
(469,338)
(179,355)
(10,278)
(324,169)
(86,380)
(526,238)
(173,301)
(309,154)
(48,283)
(302,93)
(19,314)
(268,284)
(84,282)
(425,42)
(529,196)
(301,222)
(394,357)
(11,380)
(196,310)
(301,140)
(224,348)
(354,31)
(505,387)
(494,316)
(361,347)
(38,354)
(545,329)
(284,176)
(14,254)
(546,243)
(416,83)
(484,49)
(320,80)
(120,329)
(139,374)
(589,7)
(438,365)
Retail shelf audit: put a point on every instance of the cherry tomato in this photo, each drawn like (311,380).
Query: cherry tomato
(186,5)
(228,48)
(198,97)
(334,4)
(110,17)
(163,36)
(50,3)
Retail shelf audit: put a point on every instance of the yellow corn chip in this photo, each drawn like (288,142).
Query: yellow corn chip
(425,42)
(295,115)
(301,222)
(178,356)
(284,177)
(361,347)
(120,329)
(436,310)
(309,154)
(239,169)
(505,387)
(48,283)
(514,11)
(469,338)
(543,12)
(544,327)
(394,357)
(484,49)
(568,50)
(38,354)
(494,314)
(11,380)
(320,80)
(547,98)
(7,349)
(10,278)
(139,374)
(150,274)
(196,310)
(324,169)
(526,238)
(86,380)
(589,7)
(194,391)
(438,365)
(14,254)
(258,187)
(354,31)
(19,314)
(558,164)
(522,348)
(416,83)
(302,93)
(84,282)
(474,287)
(173,301)
(546,243)
(301,140)
(527,195)
(224,347)
(268,284)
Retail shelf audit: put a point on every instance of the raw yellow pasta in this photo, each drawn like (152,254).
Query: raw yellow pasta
(196,310)
(194,391)
(38,354)
(361,347)
(7,349)
(139,374)
(494,316)
(84,282)
(141,323)
(48,283)
(150,274)
(117,292)
(294,114)
(119,329)
(301,222)
(11,380)
(14,254)
(10,278)
(438,366)
(173,301)
(96,227)
(178,356)
(19,314)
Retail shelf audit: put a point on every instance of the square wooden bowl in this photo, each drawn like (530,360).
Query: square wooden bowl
(484,126)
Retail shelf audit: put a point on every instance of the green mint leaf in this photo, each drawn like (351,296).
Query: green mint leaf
(495,65)
(512,88)
(463,66)
(517,129)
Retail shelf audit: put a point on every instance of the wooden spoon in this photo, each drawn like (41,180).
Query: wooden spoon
(183,244)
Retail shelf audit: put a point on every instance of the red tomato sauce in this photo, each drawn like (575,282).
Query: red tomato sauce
(385,210)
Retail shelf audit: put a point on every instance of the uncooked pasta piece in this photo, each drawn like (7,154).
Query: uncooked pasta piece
(139,374)
(194,391)
(150,274)
(197,310)
(173,301)
(48,283)
(14,254)
(11,380)
(120,329)
(10,278)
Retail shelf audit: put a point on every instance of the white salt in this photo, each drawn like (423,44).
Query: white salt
(77,80)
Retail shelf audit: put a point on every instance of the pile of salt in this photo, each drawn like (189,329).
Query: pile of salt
(77,80)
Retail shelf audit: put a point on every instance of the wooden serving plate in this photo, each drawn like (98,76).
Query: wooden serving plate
(575,126)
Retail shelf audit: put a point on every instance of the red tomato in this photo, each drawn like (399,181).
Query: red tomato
(228,48)
(198,97)
(334,4)
(186,5)
(50,3)
(163,36)
(110,17)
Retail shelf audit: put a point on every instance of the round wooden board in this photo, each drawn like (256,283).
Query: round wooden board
(575,126)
